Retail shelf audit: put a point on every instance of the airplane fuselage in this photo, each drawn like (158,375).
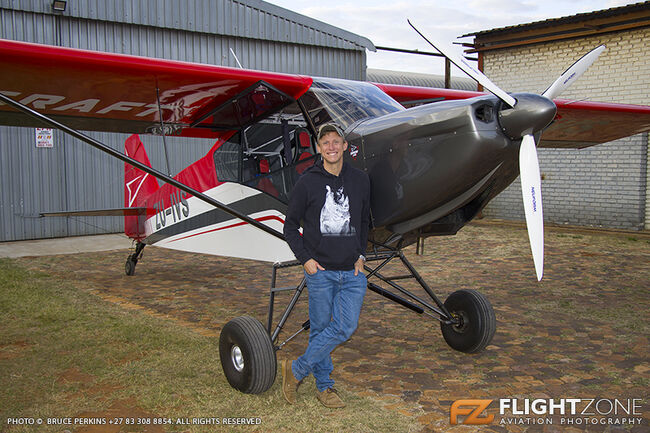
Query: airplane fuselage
(434,167)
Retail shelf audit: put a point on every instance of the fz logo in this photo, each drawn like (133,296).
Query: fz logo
(471,408)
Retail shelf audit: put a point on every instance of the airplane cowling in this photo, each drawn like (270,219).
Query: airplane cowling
(531,114)
(425,158)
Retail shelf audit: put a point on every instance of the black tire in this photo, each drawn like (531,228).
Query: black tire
(477,321)
(129,266)
(247,355)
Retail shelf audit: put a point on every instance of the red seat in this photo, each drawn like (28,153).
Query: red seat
(304,150)
(302,166)
(265,183)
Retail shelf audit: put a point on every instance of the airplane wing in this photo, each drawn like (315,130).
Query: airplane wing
(90,90)
(122,93)
(578,124)
(583,124)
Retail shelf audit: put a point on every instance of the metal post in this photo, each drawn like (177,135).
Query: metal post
(409,294)
(371,272)
(423,283)
(289,309)
(269,322)
(447,73)
(162,131)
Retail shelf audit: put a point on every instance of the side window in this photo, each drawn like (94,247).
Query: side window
(268,155)
(226,160)
(280,183)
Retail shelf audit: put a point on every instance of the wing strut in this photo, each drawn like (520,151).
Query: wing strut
(165,178)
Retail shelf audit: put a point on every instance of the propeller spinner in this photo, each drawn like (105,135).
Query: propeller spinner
(522,116)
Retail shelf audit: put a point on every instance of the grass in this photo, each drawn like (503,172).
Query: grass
(65,352)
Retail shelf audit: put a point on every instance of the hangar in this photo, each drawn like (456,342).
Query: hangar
(69,175)
(605,186)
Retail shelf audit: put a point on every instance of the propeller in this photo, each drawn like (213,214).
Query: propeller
(531,192)
(464,66)
(531,184)
(573,73)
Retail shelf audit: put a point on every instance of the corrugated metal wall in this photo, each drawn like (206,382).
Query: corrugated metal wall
(193,30)
(253,19)
(73,176)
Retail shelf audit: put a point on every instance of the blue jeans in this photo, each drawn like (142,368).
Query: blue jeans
(335,299)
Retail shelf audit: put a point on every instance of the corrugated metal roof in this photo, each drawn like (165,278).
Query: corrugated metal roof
(253,19)
(418,79)
(605,13)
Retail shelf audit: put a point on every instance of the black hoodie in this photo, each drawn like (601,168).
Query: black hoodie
(334,214)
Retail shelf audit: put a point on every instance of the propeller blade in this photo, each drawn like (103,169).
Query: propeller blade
(573,73)
(477,75)
(531,190)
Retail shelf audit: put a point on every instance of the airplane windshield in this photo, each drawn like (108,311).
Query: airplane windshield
(270,154)
(347,102)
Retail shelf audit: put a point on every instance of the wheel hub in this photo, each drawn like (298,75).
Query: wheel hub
(237,358)
(461,321)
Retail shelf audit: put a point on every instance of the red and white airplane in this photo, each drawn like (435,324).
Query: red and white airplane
(433,165)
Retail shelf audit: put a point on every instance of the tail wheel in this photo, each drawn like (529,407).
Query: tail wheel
(247,355)
(129,266)
(476,321)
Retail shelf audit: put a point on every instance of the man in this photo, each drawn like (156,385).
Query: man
(332,201)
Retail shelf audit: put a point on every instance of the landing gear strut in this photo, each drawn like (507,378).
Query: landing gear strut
(132,260)
(248,351)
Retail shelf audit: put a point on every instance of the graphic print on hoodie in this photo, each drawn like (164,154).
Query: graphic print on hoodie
(335,214)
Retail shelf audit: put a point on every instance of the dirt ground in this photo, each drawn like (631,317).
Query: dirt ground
(583,332)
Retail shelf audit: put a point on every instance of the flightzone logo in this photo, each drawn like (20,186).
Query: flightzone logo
(541,411)
(472,409)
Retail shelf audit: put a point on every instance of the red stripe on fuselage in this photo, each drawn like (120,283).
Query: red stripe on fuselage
(261,219)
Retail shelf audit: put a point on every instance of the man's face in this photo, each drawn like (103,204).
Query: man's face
(331,146)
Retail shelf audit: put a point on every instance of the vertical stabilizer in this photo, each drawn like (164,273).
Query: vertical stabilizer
(138,185)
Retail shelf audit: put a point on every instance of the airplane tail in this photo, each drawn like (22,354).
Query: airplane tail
(138,185)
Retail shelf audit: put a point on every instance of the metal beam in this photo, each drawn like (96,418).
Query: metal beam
(402,50)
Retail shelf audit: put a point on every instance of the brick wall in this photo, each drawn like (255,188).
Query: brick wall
(647,182)
(605,185)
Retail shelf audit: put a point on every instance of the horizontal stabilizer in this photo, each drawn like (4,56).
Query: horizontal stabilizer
(121,211)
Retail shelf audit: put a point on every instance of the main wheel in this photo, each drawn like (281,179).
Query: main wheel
(476,321)
(247,355)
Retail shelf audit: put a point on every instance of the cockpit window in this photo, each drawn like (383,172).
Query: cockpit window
(347,102)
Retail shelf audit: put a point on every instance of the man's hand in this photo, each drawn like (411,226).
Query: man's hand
(358,266)
(312,266)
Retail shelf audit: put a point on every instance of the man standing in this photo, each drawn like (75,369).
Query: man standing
(332,201)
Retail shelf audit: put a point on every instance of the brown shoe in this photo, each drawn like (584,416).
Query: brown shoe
(289,382)
(330,398)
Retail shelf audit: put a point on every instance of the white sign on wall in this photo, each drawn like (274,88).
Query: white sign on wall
(44,137)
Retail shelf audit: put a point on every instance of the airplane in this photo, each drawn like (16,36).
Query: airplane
(435,158)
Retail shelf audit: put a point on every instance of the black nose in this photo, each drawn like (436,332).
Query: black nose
(531,114)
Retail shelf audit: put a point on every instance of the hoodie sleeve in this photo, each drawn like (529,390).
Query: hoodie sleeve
(365,215)
(295,213)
